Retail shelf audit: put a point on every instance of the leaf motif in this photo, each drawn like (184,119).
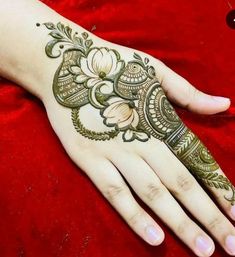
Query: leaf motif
(137,56)
(60,27)
(55,34)
(222,186)
(84,35)
(214,179)
(146,60)
(142,136)
(78,41)
(211,175)
(49,25)
(68,32)
(63,33)
(208,183)
(88,43)
(215,184)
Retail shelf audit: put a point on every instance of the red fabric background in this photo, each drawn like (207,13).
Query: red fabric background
(47,206)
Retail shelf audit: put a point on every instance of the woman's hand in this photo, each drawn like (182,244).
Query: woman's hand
(110,111)
(107,104)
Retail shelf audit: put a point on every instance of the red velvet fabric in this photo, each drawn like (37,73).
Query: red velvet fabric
(48,208)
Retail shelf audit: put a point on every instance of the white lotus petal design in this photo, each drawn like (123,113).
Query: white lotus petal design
(142,136)
(120,113)
(100,64)
(130,135)
(81,78)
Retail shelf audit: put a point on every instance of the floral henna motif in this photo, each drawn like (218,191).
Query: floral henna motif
(129,98)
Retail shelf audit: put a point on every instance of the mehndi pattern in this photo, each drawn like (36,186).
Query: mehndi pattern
(129,98)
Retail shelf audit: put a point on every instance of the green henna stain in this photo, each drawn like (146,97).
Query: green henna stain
(134,95)
(107,135)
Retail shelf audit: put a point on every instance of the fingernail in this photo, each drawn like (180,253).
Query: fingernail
(233,212)
(204,245)
(221,99)
(153,235)
(230,244)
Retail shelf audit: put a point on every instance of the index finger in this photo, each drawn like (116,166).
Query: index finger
(197,158)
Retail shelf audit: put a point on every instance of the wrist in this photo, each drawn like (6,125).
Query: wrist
(22,49)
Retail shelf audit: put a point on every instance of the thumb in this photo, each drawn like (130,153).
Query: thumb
(182,93)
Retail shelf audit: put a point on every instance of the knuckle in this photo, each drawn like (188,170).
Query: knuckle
(184,183)
(80,150)
(153,192)
(194,93)
(113,191)
(133,219)
(182,227)
(161,67)
(215,223)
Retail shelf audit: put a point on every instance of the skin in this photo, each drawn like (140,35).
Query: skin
(158,176)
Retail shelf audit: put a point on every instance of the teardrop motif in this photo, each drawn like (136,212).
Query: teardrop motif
(66,90)
(131,80)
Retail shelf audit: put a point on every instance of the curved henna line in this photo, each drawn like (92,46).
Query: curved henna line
(107,135)
(232,198)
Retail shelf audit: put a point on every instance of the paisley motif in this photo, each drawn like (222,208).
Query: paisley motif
(156,114)
(66,90)
(131,80)
(160,113)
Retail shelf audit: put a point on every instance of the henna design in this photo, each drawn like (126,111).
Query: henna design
(89,133)
(129,98)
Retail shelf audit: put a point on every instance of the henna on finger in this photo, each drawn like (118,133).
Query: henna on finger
(129,98)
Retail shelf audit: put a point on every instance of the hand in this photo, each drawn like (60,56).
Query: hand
(110,111)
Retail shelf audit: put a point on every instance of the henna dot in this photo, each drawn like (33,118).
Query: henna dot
(61,46)
(102,74)
(131,104)
(38,24)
